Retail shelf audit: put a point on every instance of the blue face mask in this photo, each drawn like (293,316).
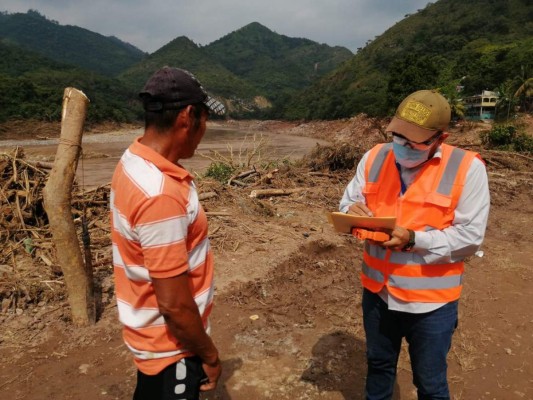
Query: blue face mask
(408,157)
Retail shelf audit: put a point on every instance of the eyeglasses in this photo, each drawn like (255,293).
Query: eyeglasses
(426,144)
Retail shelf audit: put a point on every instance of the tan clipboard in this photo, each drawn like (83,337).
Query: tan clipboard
(344,222)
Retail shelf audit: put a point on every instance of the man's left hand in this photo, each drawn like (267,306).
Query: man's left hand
(399,238)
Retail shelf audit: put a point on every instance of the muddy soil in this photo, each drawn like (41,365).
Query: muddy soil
(287,318)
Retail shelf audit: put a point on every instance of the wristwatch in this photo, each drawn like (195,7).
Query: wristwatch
(410,244)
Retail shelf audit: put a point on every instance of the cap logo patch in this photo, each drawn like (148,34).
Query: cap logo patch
(415,112)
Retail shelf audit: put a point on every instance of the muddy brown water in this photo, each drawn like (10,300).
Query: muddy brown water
(101,152)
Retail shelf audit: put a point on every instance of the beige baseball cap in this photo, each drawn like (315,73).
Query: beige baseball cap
(420,115)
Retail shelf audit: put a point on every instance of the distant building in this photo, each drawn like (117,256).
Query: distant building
(481,106)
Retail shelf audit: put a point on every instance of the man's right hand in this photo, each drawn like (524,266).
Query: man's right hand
(360,209)
(213,372)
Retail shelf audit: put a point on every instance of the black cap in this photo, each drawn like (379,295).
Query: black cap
(173,88)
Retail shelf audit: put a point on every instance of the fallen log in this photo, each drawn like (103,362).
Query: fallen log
(508,153)
(274,192)
(44,165)
(207,195)
(238,183)
(217,214)
(235,180)
(321,174)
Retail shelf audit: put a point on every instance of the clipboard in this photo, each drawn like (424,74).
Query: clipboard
(344,222)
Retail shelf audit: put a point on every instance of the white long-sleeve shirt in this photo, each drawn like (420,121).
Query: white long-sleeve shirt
(460,240)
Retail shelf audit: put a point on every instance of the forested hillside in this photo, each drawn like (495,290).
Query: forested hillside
(275,63)
(478,44)
(251,68)
(31,87)
(68,44)
(186,54)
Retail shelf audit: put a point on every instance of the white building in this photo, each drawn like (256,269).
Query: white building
(481,106)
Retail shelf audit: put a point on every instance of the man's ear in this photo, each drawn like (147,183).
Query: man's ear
(185,117)
(444,136)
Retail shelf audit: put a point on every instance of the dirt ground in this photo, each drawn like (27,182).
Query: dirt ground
(287,318)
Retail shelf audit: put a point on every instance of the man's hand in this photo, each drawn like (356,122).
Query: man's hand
(360,209)
(213,372)
(399,238)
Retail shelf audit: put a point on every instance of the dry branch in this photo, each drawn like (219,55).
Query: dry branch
(508,153)
(274,192)
(236,178)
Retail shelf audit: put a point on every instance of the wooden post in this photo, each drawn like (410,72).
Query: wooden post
(57,195)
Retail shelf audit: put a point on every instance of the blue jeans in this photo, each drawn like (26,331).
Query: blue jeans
(429,337)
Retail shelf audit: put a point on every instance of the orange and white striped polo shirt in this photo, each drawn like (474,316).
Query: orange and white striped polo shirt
(159,230)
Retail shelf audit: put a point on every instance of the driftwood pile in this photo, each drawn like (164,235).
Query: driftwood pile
(21,212)
(28,265)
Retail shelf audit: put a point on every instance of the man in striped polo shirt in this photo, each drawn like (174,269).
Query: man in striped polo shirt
(163,263)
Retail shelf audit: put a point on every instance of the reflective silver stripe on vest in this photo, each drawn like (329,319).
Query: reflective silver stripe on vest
(450,173)
(406,258)
(396,257)
(444,282)
(377,165)
(372,273)
(375,251)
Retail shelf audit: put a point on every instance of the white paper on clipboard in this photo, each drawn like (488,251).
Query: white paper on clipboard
(345,222)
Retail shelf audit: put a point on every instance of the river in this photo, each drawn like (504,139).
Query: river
(102,151)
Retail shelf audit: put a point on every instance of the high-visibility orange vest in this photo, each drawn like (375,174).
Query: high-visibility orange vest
(429,203)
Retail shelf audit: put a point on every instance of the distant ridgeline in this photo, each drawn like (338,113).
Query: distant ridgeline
(39,58)
(475,45)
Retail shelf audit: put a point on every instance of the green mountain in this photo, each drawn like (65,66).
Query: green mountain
(68,44)
(477,44)
(250,68)
(31,87)
(184,53)
(274,63)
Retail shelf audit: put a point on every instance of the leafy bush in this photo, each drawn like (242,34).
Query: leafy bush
(220,171)
(499,136)
(508,138)
(523,143)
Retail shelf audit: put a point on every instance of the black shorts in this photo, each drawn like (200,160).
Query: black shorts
(178,381)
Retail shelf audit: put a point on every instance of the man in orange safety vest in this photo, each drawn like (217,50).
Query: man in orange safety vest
(412,280)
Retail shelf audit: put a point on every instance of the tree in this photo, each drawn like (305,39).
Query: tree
(450,90)
(506,101)
(524,93)
(408,75)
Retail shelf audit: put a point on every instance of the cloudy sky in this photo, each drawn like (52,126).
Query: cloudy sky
(150,24)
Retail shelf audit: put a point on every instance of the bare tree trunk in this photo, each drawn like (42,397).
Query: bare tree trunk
(57,201)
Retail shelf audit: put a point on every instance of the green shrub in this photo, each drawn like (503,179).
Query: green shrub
(523,143)
(507,137)
(219,171)
(499,136)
